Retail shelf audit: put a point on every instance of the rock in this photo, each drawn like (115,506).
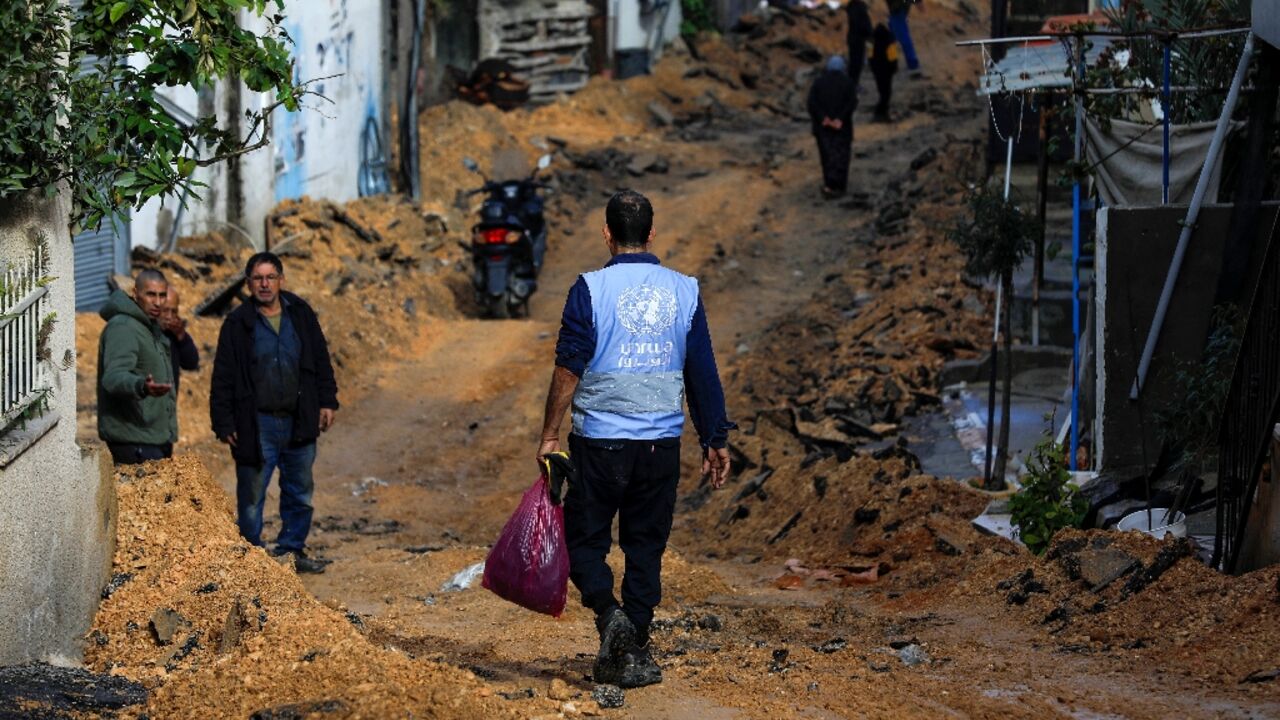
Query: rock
(948,543)
(298,711)
(661,113)
(1258,676)
(924,158)
(165,623)
(559,690)
(522,694)
(1100,568)
(833,645)
(913,655)
(609,696)
(711,622)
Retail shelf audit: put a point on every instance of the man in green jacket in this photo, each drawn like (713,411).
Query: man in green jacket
(137,408)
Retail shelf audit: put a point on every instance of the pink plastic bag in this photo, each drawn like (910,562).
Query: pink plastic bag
(529,564)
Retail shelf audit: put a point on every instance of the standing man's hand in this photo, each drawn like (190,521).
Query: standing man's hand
(326,418)
(715,463)
(229,439)
(546,448)
(175,325)
(155,389)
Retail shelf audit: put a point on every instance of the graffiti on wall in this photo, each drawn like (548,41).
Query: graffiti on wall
(338,45)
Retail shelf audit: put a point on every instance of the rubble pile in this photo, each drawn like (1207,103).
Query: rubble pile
(217,628)
(825,474)
(1098,591)
(844,520)
(882,329)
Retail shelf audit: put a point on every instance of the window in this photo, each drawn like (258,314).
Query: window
(25,327)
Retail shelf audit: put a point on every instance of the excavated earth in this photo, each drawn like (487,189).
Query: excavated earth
(829,578)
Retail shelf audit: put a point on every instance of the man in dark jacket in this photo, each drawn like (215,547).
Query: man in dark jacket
(137,408)
(271,396)
(182,349)
(832,100)
(856,36)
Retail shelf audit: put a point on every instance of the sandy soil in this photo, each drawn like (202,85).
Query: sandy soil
(828,579)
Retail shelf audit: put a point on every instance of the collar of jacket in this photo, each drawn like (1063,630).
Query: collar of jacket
(248,311)
(642,257)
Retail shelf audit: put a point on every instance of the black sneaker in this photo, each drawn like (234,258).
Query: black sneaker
(617,636)
(639,668)
(302,563)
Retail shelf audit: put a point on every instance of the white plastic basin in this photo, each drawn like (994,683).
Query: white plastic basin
(1175,524)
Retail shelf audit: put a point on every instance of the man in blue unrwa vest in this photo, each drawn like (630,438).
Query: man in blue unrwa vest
(633,344)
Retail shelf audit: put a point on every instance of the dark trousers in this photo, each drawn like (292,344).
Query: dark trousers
(834,150)
(635,480)
(884,86)
(131,454)
(857,58)
(296,485)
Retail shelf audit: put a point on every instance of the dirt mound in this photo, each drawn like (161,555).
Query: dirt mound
(1102,591)
(219,628)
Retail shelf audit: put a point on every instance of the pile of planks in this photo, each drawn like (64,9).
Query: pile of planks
(547,43)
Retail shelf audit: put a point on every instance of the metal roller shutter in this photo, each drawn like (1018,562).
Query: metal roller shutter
(98,255)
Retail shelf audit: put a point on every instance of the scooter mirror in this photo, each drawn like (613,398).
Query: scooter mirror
(544,162)
(470,164)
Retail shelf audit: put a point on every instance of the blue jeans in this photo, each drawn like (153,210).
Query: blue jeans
(898,24)
(296,485)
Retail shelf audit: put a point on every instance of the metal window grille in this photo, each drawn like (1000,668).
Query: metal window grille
(23,308)
(1251,411)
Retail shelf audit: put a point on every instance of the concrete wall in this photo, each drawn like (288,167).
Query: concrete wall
(1134,248)
(1266,21)
(57,500)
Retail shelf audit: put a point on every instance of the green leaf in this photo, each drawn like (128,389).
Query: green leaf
(186,166)
(118,10)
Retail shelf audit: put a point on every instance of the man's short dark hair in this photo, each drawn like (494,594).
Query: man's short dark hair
(264,257)
(148,276)
(630,218)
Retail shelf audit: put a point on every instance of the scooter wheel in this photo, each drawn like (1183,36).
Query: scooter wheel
(497,308)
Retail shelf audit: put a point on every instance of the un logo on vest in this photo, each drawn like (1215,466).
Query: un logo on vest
(647,310)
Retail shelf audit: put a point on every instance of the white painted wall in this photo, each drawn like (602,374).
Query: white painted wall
(317,152)
(313,152)
(57,507)
(631,29)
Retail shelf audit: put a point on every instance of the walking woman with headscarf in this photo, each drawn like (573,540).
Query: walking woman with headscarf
(832,100)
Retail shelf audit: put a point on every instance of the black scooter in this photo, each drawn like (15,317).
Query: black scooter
(509,242)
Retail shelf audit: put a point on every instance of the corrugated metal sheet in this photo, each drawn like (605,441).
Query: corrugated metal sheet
(98,255)
(1037,67)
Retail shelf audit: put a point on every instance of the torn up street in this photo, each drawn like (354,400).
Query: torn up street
(838,572)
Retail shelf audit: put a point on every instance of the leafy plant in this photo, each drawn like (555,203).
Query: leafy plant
(1139,61)
(1189,428)
(102,128)
(697,17)
(1048,500)
(995,236)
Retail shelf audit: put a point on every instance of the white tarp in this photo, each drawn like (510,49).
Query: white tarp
(1131,174)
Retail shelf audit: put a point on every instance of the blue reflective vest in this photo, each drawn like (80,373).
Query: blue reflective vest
(633,388)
